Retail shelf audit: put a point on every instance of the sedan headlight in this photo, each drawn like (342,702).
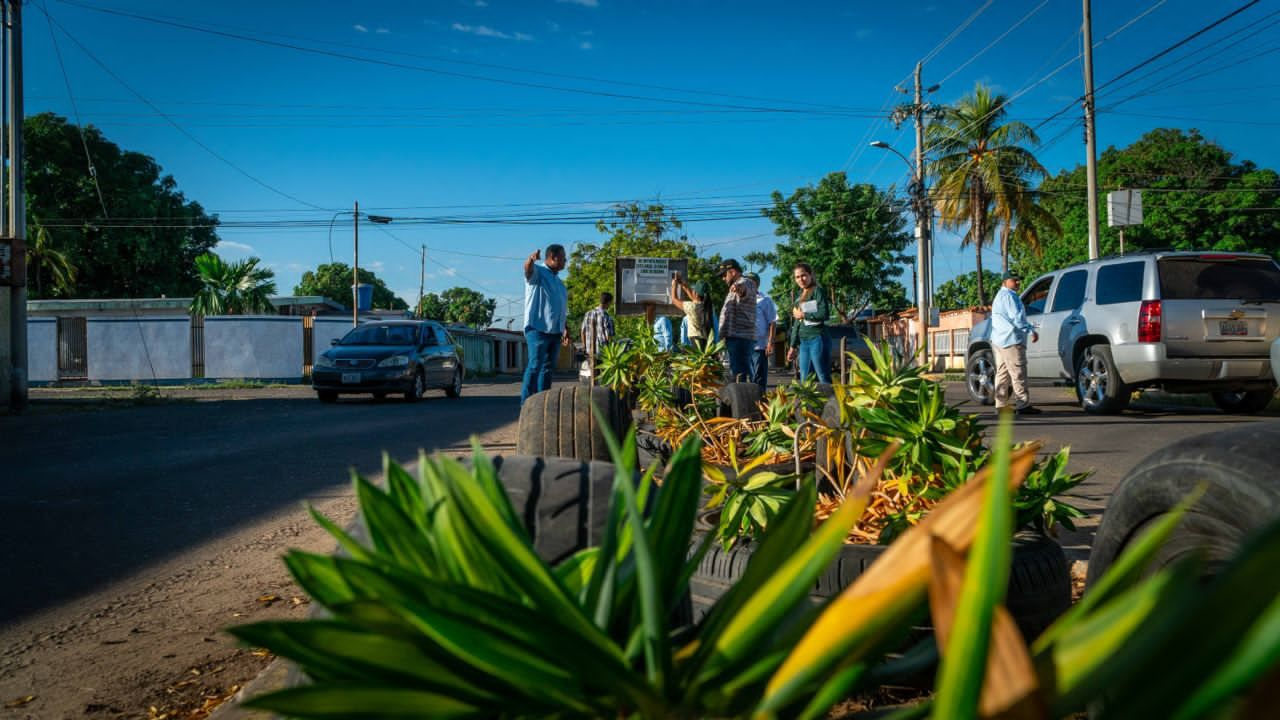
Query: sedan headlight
(324,361)
(395,361)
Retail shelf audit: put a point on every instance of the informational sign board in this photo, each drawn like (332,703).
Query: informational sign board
(639,282)
(1124,207)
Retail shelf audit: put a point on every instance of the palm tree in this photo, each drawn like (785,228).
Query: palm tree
(982,171)
(238,288)
(43,258)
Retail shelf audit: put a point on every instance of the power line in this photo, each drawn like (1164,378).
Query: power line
(995,42)
(66,80)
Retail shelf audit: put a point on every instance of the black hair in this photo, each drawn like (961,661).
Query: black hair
(555,249)
(606,297)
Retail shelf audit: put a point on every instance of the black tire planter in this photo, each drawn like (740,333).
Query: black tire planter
(561,422)
(740,400)
(1241,470)
(831,419)
(1039,579)
(1245,402)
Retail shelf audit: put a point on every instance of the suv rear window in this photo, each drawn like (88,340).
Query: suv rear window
(1191,278)
(1120,283)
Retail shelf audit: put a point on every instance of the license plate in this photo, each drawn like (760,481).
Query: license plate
(350,378)
(1233,327)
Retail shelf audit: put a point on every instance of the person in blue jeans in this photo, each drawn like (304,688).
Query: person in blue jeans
(810,341)
(546,310)
(738,320)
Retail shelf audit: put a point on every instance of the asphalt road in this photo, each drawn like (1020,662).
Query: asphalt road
(90,496)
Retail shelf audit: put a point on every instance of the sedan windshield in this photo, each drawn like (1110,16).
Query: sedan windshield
(380,335)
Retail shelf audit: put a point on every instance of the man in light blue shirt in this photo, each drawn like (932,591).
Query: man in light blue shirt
(546,309)
(766,323)
(1009,330)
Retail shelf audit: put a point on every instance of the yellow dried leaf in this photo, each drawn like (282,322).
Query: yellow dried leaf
(20,701)
(268,599)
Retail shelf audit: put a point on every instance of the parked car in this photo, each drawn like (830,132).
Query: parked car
(393,356)
(854,342)
(1180,321)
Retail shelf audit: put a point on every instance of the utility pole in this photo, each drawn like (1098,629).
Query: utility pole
(13,218)
(422,282)
(355,268)
(1090,141)
(923,240)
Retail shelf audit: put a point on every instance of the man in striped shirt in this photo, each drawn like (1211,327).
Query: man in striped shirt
(597,329)
(738,320)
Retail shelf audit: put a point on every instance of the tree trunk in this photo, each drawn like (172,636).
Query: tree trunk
(1004,248)
(979,230)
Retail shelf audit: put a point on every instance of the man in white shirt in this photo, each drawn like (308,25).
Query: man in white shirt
(1009,330)
(766,323)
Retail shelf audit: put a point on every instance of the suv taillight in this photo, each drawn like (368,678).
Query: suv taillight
(1149,321)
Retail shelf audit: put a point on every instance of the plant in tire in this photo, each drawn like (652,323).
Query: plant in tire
(449,612)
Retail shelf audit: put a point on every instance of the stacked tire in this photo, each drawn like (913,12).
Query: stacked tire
(563,422)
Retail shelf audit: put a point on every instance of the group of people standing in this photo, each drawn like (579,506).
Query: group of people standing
(747,323)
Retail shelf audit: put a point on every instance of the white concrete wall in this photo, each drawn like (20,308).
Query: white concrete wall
(324,331)
(42,349)
(138,348)
(253,347)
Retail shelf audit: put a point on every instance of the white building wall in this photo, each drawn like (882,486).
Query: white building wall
(253,347)
(137,348)
(42,349)
(324,331)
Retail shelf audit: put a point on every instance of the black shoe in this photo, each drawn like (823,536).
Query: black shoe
(1029,410)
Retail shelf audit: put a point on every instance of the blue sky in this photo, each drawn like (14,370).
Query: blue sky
(277,115)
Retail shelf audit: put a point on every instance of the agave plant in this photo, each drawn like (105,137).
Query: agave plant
(449,612)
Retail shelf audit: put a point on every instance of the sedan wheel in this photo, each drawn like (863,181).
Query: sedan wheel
(414,394)
(455,390)
(980,377)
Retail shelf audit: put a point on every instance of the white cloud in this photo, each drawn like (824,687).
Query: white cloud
(583,3)
(584,45)
(553,26)
(360,28)
(481,3)
(862,33)
(383,31)
(486,31)
(232,245)
(587,33)
(297,267)
(375,266)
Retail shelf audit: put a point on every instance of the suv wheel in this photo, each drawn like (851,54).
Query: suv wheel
(1245,401)
(980,377)
(1098,384)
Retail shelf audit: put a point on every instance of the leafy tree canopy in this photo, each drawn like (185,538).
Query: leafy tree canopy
(110,258)
(852,236)
(458,305)
(237,288)
(962,290)
(632,230)
(1195,198)
(333,280)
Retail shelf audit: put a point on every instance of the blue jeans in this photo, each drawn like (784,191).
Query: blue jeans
(543,349)
(740,351)
(815,357)
(760,369)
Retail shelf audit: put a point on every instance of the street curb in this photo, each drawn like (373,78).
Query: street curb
(276,676)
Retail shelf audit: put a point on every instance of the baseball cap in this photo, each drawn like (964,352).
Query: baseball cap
(1011,275)
(728,265)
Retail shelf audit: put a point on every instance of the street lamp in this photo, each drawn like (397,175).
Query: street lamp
(924,250)
(355,265)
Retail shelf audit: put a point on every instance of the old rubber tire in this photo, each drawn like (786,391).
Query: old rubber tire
(740,400)
(980,377)
(1099,387)
(1246,402)
(1239,467)
(560,422)
(831,419)
(1039,578)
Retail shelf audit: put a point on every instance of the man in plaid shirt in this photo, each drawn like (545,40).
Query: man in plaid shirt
(597,329)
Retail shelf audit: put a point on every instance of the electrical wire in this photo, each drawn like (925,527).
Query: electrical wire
(993,43)
(84,143)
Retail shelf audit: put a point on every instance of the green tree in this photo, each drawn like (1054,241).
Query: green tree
(333,280)
(468,307)
(46,262)
(432,307)
(981,169)
(238,288)
(631,230)
(145,242)
(962,290)
(852,235)
(1195,196)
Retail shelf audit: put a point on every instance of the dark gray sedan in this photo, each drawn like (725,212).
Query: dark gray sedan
(394,356)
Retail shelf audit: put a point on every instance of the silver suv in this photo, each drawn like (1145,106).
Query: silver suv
(1181,321)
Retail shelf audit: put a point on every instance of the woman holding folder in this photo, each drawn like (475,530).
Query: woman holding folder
(809,338)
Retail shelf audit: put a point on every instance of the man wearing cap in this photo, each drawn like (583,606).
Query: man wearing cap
(766,323)
(546,308)
(1009,330)
(738,320)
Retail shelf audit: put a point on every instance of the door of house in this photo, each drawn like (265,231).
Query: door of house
(72,349)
